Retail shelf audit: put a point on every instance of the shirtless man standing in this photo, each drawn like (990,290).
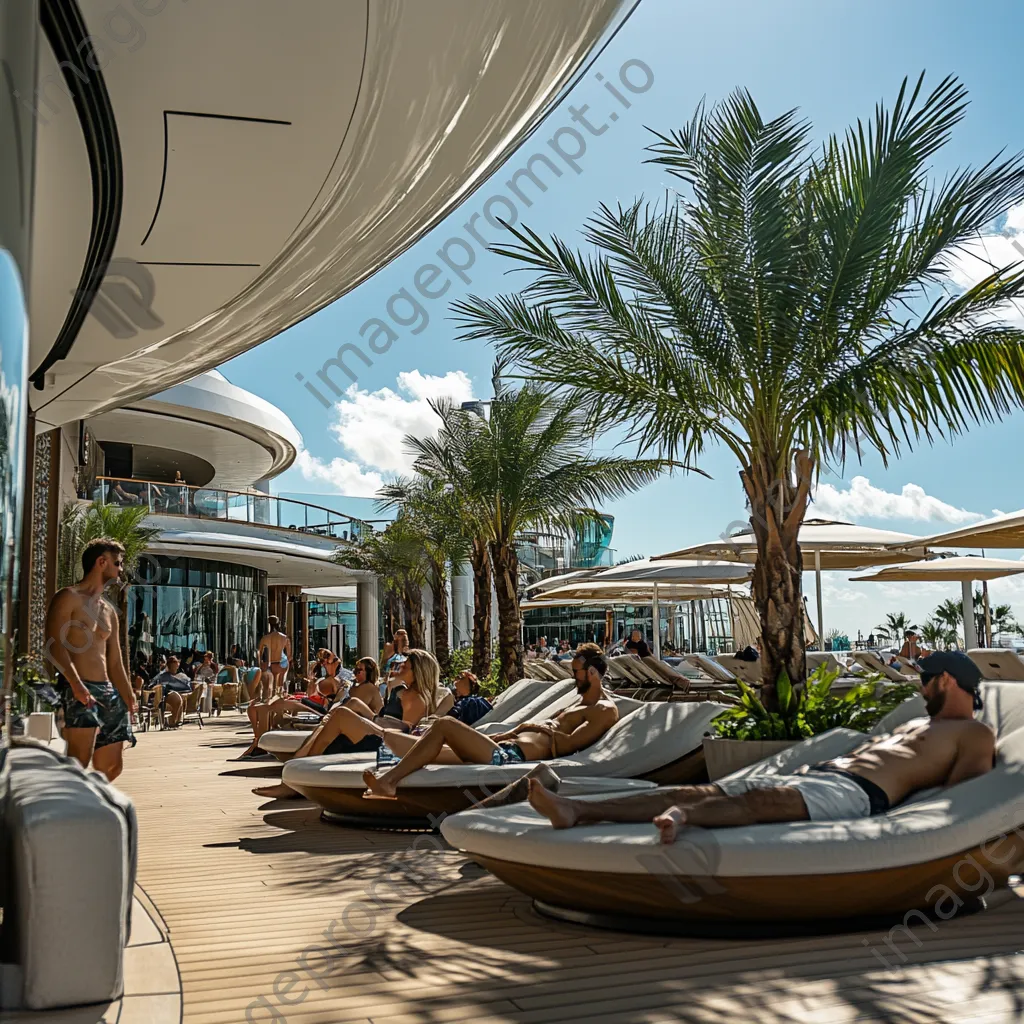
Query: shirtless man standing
(449,741)
(946,748)
(83,642)
(275,651)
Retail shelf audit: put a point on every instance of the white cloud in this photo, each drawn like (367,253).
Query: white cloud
(341,476)
(862,500)
(370,427)
(975,260)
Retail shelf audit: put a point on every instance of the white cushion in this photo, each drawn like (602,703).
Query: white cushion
(72,872)
(647,737)
(941,823)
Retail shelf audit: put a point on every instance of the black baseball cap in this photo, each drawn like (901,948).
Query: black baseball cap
(959,666)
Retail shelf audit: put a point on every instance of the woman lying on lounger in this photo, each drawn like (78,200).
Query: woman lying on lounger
(352,727)
(449,741)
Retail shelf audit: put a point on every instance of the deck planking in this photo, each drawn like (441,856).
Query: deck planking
(422,935)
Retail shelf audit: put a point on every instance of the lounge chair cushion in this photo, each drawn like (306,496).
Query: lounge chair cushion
(71,875)
(942,823)
(649,737)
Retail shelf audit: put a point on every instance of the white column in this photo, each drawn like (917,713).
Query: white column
(817,587)
(970,629)
(367,619)
(656,619)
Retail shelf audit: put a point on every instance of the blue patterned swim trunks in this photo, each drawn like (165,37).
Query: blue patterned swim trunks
(508,753)
(109,714)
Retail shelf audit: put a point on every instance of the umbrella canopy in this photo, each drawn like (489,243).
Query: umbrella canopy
(676,570)
(958,569)
(550,582)
(1002,531)
(838,545)
(964,569)
(832,545)
(631,591)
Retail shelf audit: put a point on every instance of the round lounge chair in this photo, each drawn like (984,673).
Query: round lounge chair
(939,851)
(657,742)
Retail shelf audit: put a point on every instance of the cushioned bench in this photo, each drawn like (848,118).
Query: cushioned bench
(940,846)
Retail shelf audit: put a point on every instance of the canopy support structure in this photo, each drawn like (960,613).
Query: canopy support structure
(817,587)
(970,628)
(656,621)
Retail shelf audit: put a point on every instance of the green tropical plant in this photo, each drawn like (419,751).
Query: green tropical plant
(527,465)
(397,557)
(434,511)
(810,709)
(936,635)
(785,305)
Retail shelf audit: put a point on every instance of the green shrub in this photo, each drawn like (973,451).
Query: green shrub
(812,711)
(462,661)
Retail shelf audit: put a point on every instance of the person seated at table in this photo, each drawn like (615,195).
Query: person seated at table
(469,706)
(449,741)
(352,727)
(174,688)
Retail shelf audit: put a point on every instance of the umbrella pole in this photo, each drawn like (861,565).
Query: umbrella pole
(817,587)
(656,616)
(988,615)
(970,630)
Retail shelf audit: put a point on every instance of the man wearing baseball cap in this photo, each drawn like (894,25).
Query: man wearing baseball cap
(945,748)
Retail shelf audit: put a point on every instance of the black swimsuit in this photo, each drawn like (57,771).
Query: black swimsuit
(369,743)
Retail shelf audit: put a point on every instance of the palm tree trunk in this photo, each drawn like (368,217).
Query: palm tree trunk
(481,561)
(777,508)
(510,623)
(439,589)
(413,600)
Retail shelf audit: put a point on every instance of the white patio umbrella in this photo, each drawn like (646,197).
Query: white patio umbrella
(964,569)
(832,544)
(677,570)
(1003,531)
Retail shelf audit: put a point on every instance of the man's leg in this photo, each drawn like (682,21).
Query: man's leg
(80,744)
(109,760)
(563,812)
(466,744)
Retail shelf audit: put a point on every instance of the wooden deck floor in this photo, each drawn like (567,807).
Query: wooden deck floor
(397,929)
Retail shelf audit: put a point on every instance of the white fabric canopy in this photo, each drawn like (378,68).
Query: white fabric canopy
(1002,531)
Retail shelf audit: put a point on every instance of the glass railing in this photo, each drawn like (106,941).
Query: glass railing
(236,506)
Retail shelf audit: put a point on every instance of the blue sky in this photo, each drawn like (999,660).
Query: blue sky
(833,60)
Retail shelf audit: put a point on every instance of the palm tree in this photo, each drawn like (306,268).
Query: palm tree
(895,625)
(786,307)
(397,557)
(935,635)
(434,511)
(526,466)
(949,615)
(80,524)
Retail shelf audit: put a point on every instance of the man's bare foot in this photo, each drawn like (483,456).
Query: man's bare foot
(516,792)
(376,788)
(559,811)
(278,792)
(669,823)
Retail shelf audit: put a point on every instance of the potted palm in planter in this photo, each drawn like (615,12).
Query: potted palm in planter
(749,732)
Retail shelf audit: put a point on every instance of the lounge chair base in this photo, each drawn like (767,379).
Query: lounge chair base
(743,931)
(424,806)
(748,899)
(373,821)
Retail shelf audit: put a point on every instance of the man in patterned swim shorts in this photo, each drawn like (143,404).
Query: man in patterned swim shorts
(83,643)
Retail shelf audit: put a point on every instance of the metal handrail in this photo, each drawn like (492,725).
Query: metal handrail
(253,507)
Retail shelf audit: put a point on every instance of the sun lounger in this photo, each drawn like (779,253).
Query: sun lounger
(531,697)
(996,663)
(748,671)
(916,857)
(873,663)
(711,668)
(630,668)
(815,659)
(908,666)
(657,741)
(666,674)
